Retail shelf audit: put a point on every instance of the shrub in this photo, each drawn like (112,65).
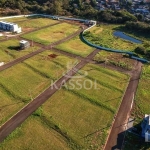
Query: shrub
(140,50)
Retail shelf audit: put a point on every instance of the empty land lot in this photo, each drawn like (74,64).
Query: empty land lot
(115,59)
(80,117)
(9,50)
(35,23)
(76,46)
(34,134)
(52,34)
(22,82)
(15,19)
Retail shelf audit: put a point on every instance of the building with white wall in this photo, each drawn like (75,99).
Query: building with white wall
(146,127)
(12,27)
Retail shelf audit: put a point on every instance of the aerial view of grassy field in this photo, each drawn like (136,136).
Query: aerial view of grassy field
(103,35)
(110,58)
(17,89)
(35,23)
(52,99)
(75,46)
(77,124)
(9,50)
(35,134)
(15,19)
(52,34)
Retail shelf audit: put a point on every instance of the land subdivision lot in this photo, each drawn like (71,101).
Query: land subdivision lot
(9,50)
(103,35)
(75,118)
(23,82)
(115,59)
(35,23)
(34,134)
(15,19)
(76,46)
(52,34)
(141,107)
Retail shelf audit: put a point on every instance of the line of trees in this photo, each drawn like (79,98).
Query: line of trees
(83,8)
(116,16)
(138,26)
(58,7)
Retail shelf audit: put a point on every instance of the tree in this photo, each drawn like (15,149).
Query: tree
(140,50)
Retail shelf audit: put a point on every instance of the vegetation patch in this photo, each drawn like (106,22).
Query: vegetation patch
(80,115)
(116,59)
(50,68)
(9,50)
(52,34)
(81,120)
(23,82)
(75,46)
(35,23)
(106,38)
(33,134)
(16,19)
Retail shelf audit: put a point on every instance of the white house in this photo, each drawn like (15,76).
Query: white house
(146,127)
(9,26)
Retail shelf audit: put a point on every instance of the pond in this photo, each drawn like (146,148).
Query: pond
(126,37)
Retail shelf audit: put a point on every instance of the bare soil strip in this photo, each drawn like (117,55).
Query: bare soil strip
(116,136)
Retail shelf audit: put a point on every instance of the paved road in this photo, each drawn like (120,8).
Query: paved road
(115,139)
(23,114)
(18,60)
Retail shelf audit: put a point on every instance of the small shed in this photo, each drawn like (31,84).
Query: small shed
(24,44)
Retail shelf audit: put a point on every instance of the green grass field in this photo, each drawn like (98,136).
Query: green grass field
(34,135)
(15,19)
(115,59)
(72,118)
(103,35)
(81,113)
(36,23)
(76,46)
(52,34)
(9,50)
(22,82)
(47,66)
(8,103)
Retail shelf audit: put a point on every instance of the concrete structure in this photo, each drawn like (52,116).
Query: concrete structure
(12,27)
(24,44)
(146,127)
(2,63)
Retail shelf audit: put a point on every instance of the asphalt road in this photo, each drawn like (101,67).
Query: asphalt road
(116,137)
(24,113)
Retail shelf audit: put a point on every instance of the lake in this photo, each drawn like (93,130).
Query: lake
(126,37)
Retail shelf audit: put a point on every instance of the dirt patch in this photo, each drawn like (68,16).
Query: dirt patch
(52,55)
(98,31)
(27,29)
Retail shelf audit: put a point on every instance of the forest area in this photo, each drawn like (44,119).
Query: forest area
(57,7)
